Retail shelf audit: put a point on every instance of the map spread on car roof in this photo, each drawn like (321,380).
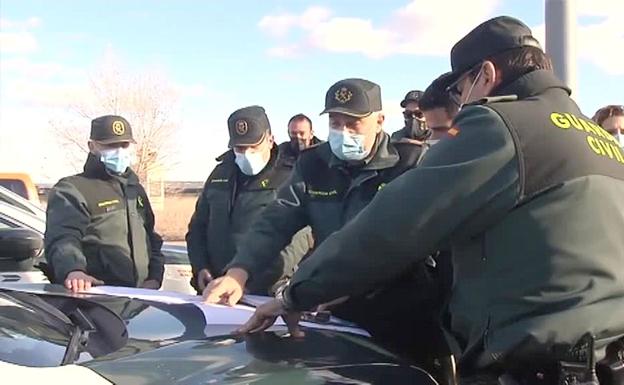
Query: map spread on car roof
(214,314)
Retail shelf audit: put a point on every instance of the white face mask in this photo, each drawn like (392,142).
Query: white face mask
(474,82)
(250,163)
(620,138)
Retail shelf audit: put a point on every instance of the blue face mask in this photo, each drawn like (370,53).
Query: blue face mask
(346,146)
(116,160)
(250,163)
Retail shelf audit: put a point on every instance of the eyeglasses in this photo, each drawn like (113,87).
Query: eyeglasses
(453,89)
(607,112)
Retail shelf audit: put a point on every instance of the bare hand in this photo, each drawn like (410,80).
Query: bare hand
(203,278)
(80,281)
(265,316)
(227,290)
(150,284)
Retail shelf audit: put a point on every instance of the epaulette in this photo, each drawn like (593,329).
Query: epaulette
(493,99)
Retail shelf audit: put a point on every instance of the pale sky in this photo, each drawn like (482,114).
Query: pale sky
(220,55)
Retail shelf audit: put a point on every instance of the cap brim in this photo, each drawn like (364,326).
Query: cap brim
(405,101)
(114,140)
(345,111)
(246,141)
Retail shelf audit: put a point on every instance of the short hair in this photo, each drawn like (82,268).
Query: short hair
(606,112)
(517,62)
(436,96)
(300,117)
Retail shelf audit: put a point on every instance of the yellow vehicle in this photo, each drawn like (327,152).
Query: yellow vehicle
(21,184)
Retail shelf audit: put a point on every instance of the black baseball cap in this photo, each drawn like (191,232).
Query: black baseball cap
(353,97)
(436,94)
(412,96)
(492,37)
(109,129)
(248,126)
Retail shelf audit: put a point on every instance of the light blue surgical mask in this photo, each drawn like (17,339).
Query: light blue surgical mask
(116,160)
(250,163)
(347,146)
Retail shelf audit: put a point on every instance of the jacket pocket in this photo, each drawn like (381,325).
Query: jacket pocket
(116,266)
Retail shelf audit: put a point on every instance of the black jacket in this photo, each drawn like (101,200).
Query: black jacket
(289,156)
(323,193)
(102,224)
(230,202)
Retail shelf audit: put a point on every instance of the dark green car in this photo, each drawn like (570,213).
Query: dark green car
(110,339)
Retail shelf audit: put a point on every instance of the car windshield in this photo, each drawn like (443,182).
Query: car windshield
(29,336)
(50,330)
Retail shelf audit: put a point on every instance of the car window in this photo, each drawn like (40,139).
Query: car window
(15,185)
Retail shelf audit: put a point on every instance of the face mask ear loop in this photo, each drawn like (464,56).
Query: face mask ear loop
(474,82)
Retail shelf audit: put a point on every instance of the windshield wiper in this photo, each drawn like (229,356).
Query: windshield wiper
(81,329)
(78,325)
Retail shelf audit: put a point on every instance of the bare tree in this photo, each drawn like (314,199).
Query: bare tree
(147,100)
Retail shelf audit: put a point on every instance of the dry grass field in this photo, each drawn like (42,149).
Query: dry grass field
(172,221)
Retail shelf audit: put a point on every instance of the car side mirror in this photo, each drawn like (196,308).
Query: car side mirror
(18,248)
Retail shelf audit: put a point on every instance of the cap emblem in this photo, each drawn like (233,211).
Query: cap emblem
(343,95)
(119,128)
(241,127)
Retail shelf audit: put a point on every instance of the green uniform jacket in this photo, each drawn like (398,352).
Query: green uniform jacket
(229,203)
(102,224)
(529,194)
(324,194)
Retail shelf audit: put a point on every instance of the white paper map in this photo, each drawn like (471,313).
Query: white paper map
(215,314)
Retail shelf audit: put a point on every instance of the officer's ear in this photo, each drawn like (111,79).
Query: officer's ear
(93,147)
(380,119)
(490,76)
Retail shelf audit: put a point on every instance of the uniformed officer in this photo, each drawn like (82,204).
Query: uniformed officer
(415,128)
(527,191)
(301,136)
(611,118)
(236,192)
(438,108)
(100,225)
(331,183)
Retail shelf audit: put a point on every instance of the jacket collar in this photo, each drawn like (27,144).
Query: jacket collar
(531,84)
(94,168)
(229,157)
